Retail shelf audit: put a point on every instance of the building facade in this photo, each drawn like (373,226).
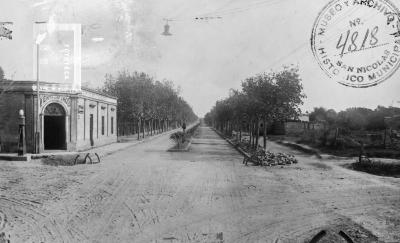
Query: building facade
(69,120)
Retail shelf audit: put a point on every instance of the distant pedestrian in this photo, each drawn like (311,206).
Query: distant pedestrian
(184,127)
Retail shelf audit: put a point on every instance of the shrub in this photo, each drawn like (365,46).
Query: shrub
(378,167)
(191,130)
(179,138)
(60,160)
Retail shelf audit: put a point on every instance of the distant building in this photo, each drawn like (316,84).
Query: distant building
(304,117)
(393,122)
(69,120)
(294,126)
(297,125)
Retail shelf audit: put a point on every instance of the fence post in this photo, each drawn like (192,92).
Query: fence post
(336,136)
(384,138)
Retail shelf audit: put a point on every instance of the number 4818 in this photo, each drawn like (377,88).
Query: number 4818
(349,42)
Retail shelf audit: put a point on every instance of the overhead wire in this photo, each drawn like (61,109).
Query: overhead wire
(225,12)
(242,8)
(303,44)
(218,9)
(221,12)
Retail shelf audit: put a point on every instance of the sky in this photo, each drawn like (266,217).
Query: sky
(205,58)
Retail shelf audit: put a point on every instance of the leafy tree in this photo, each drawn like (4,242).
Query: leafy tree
(355,118)
(1,74)
(376,120)
(323,115)
(264,97)
(153,105)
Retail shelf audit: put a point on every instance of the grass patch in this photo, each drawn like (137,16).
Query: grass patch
(377,167)
(301,148)
(63,160)
(183,140)
(321,166)
(369,151)
(180,147)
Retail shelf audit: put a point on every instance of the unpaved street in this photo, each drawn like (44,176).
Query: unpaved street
(145,194)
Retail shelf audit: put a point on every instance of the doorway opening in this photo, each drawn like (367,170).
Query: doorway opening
(91,130)
(54,127)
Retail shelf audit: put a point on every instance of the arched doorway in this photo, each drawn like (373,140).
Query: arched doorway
(54,127)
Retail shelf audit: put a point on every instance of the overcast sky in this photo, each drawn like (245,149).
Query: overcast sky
(204,57)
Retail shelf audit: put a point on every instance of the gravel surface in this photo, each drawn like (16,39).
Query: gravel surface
(146,194)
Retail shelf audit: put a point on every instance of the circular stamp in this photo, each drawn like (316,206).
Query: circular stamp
(357,42)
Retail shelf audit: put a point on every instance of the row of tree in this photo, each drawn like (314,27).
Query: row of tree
(263,98)
(355,118)
(1,74)
(147,105)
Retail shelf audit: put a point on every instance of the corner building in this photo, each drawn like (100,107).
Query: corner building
(69,120)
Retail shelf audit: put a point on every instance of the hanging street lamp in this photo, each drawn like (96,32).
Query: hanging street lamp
(166,28)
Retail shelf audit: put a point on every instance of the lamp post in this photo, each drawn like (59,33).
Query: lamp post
(21,134)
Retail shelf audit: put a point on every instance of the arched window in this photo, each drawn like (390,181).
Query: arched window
(54,109)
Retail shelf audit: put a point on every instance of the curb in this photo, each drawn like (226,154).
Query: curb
(28,157)
(300,148)
(24,158)
(97,150)
(148,139)
(189,144)
(241,151)
(182,150)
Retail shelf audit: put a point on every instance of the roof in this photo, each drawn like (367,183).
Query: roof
(30,86)
(97,92)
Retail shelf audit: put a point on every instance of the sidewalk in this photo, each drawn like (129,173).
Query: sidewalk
(300,147)
(125,142)
(101,150)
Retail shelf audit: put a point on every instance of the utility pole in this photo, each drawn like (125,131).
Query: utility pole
(39,39)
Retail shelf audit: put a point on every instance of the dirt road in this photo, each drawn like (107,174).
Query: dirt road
(145,194)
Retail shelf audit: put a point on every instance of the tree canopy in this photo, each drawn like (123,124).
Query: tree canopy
(142,97)
(268,96)
(1,74)
(273,96)
(356,118)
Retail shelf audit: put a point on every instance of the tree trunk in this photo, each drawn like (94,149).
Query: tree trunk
(336,137)
(138,129)
(250,133)
(240,131)
(384,138)
(237,130)
(151,127)
(143,127)
(254,134)
(257,131)
(265,133)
